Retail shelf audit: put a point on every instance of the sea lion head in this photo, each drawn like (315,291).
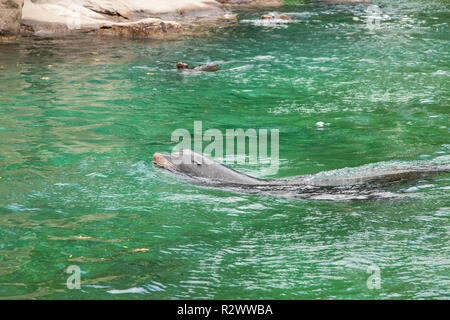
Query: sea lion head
(267,16)
(184,161)
(194,165)
(182,65)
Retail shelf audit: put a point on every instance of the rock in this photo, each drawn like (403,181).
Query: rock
(121,17)
(139,9)
(145,28)
(344,1)
(252,3)
(135,18)
(10,16)
(56,17)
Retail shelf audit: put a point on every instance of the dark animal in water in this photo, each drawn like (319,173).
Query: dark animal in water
(207,67)
(348,183)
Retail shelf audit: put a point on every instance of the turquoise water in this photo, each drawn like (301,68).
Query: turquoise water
(80,118)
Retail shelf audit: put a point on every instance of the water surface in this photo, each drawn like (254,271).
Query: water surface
(80,118)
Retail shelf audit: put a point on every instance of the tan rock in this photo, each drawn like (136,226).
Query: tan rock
(344,1)
(135,18)
(145,28)
(59,17)
(138,9)
(252,3)
(10,16)
(120,17)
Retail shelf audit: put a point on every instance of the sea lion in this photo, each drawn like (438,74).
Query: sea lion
(267,16)
(196,166)
(280,17)
(207,67)
(200,169)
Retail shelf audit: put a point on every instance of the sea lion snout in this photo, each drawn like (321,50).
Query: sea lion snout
(194,165)
(161,161)
(182,65)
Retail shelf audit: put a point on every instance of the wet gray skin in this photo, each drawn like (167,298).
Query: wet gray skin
(208,67)
(196,166)
(364,181)
(211,67)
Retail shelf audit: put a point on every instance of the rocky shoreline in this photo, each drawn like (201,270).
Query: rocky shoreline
(131,18)
(10,17)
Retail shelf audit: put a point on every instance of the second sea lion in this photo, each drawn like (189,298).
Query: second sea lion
(211,67)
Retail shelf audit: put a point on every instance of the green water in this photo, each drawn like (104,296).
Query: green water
(78,185)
